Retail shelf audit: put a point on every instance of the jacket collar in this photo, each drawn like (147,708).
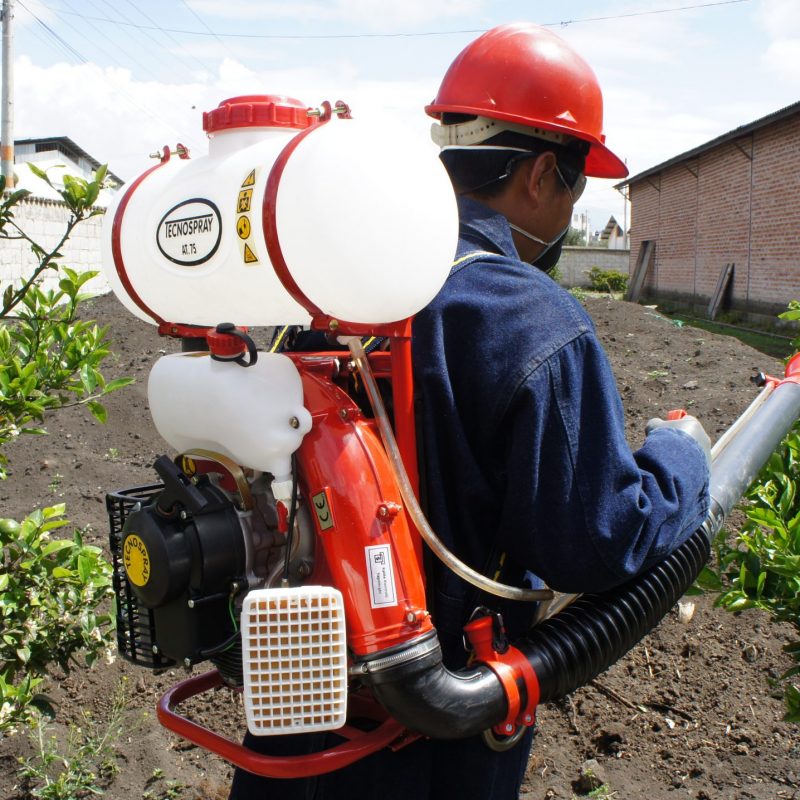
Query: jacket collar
(482,228)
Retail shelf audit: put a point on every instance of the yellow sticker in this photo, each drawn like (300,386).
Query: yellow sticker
(323,511)
(136,560)
(250,180)
(249,256)
(188,465)
(243,203)
(243,227)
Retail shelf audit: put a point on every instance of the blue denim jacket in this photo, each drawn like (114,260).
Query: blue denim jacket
(524,461)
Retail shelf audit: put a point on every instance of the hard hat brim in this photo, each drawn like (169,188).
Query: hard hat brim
(600,162)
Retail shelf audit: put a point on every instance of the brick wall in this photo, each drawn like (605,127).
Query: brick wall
(738,202)
(575,263)
(45,221)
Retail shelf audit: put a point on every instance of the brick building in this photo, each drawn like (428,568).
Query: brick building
(734,200)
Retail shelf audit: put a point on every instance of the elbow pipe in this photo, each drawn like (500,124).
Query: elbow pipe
(566,652)
(573,647)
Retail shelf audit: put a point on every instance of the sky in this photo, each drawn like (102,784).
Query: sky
(123,78)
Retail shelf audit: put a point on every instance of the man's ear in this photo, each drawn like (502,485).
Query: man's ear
(542,168)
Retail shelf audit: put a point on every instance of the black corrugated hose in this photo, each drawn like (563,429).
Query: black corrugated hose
(583,640)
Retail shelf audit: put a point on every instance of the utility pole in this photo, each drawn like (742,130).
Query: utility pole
(7,121)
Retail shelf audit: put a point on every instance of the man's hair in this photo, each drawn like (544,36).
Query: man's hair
(478,171)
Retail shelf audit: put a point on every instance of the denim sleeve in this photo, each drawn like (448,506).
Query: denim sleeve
(582,510)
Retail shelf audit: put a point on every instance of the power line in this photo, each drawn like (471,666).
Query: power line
(62,43)
(175,54)
(76,54)
(205,25)
(562,24)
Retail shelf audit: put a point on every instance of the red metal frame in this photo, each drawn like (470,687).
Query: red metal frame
(358,745)
(342,451)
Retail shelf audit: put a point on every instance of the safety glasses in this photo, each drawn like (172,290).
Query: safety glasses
(576,186)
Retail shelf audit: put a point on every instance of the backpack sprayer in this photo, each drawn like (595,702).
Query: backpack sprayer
(283,542)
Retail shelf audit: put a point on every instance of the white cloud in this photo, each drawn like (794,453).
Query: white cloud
(120,120)
(780,19)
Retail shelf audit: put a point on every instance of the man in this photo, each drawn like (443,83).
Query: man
(526,472)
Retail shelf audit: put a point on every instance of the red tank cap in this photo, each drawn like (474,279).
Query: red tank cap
(258,111)
(224,344)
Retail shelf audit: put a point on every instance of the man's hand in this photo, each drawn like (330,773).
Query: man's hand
(688,424)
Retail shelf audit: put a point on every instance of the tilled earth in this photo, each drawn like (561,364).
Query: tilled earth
(688,713)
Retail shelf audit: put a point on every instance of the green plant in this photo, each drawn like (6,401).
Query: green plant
(50,589)
(761,568)
(574,238)
(49,593)
(657,373)
(48,357)
(82,766)
(578,293)
(555,273)
(607,280)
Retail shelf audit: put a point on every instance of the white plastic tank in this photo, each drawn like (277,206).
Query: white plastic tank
(253,415)
(364,219)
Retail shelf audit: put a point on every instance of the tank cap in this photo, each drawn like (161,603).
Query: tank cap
(258,111)
(229,343)
(223,342)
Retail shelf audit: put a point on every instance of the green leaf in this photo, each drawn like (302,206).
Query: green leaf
(39,173)
(62,572)
(84,568)
(117,383)
(56,546)
(98,411)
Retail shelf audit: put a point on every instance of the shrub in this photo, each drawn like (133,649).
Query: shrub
(50,589)
(49,593)
(607,280)
(761,568)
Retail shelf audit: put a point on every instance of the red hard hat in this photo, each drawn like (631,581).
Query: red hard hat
(526,75)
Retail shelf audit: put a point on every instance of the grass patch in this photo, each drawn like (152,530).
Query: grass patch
(771,344)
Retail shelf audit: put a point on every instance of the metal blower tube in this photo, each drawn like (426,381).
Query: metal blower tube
(577,644)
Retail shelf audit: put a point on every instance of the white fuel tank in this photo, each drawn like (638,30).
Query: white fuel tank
(253,415)
(287,216)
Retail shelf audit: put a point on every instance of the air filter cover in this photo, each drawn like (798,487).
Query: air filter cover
(295,660)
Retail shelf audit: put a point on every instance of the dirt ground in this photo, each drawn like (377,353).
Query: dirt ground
(687,714)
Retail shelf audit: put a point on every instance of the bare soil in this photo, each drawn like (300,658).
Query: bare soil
(689,713)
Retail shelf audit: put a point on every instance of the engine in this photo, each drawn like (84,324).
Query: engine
(187,555)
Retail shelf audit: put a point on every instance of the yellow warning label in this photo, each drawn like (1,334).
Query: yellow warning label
(136,560)
(249,256)
(243,227)
(322,510)
(243,203)
(250,180)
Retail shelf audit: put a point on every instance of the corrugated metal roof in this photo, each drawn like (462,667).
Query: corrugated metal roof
(70,147)
(736,133)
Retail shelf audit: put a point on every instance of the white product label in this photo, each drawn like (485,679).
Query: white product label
(382,591)
(189,233)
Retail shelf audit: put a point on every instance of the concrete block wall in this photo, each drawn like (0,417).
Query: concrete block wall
(576,262)
(738,202)
(45,222)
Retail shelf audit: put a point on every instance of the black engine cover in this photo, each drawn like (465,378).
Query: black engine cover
(182,554)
